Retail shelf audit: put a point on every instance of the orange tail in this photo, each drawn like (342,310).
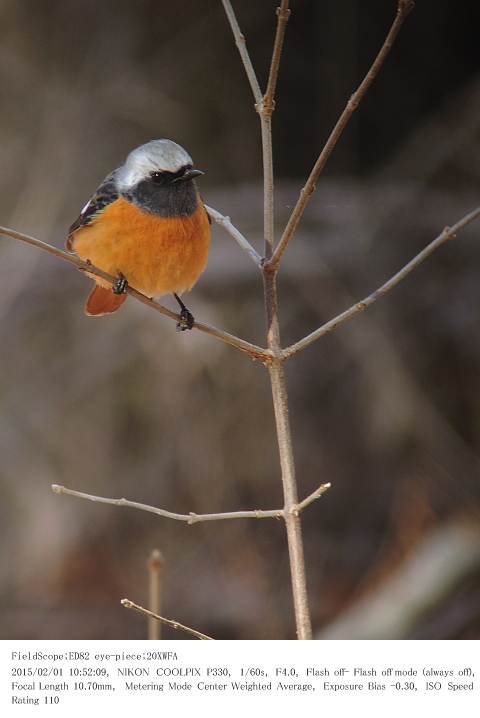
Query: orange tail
(103,301)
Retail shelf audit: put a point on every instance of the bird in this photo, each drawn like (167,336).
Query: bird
(147,226)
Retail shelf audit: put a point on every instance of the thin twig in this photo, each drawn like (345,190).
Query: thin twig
(126,603)
(268,198)
(242,48)
(155,566)
(275,367)
(251,349)
(190,518)
(403,9)
(278,383)
(265,110)
(243,242)
(193,518)
(447,234)
(283,13)
(311,498)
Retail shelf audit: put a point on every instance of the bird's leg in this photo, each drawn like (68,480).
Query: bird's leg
(186,318)
(120,285)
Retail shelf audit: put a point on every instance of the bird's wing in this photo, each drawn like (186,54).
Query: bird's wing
(104,195)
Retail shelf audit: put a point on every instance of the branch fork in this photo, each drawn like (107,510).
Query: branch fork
(193,518)
(273,356)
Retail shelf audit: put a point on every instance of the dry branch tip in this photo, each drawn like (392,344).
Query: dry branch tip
(446,235)
(126,603)
(405,6)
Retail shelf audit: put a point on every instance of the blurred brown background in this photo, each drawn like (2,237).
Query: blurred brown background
(386,409)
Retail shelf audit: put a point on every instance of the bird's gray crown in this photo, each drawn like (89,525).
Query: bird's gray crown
(154,156)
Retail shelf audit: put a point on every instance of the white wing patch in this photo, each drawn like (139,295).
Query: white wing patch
(84,208)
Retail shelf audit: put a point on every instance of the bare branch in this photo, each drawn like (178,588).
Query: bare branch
(268,206)
(242,48)
(311,498)
(155,567)
(283,13)
(126,603)
(264,106)
(243,242)
(244,346)
(275,368)
(265,109)
(193,518)
(289,482)
(190,518)
(447,234)
(403,9)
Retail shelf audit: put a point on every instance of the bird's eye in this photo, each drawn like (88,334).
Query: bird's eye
(157,176)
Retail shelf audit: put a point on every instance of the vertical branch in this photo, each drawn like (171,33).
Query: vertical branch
(265,106)
(242,49)
(268,206)
(404,7)
(283,13)
(155,566)
(265,109)
(289,482)
(275,367)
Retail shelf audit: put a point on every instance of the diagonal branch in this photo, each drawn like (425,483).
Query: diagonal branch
(244,346)
(235,233)
(265,109)
(283,14)
(264,105)
(447,234)
(190,518)
(403,9)
(242,48)
(126,603)
(193,518)
(297,510)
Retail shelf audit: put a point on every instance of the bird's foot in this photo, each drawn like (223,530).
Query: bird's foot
(120,285)
(186,318)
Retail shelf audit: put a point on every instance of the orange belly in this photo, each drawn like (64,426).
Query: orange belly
(156,255)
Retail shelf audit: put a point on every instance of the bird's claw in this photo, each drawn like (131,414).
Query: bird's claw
(120,285)
(186,320)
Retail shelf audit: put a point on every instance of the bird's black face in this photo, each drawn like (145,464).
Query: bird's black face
(184,174)
(168,194)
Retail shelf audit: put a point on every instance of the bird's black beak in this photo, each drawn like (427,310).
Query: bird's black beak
(189,175)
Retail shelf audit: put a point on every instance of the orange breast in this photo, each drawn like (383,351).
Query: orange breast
(157,255)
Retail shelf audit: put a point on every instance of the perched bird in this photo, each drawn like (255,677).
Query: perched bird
(147,226)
